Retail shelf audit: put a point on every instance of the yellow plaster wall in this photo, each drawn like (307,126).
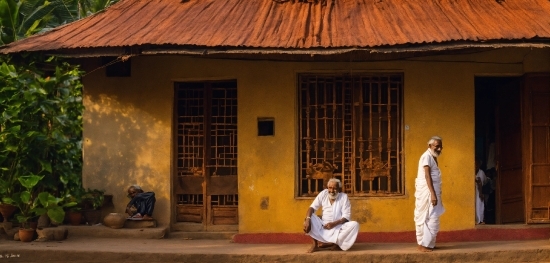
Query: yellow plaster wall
(128,132)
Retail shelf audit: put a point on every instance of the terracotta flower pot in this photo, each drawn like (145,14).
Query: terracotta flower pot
(7,211)
(26,234)
(93,217)
(75,217)
(114,220)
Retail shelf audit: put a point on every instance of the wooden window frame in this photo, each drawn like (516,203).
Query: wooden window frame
(351,128)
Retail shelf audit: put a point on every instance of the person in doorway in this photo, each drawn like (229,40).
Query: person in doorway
(141,205)
(428,205)
(334,230)
(481,179)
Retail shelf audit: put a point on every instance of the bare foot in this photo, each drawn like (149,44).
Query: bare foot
(335,248)
(424,249)
(313,247)
(324,245)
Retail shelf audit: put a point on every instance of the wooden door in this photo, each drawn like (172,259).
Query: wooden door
(205,182)
(510,195)
(536,108)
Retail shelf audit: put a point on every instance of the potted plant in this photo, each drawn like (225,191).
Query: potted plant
(33,203)
(92,201)
(74,212)
(26,201)
(8,186)
(52,206)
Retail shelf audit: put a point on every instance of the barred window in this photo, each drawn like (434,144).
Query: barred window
(351,129)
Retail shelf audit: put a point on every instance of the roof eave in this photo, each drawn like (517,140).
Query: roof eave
(259,52)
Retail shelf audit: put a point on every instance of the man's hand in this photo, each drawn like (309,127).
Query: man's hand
(434,200)
(307,225)
(330,225)
(129,211)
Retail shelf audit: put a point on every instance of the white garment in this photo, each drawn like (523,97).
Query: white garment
(426,216)
(343,235)
(480,204)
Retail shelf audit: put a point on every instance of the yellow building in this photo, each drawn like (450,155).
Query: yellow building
(238,135)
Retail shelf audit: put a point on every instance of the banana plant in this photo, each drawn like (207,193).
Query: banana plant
(22,18)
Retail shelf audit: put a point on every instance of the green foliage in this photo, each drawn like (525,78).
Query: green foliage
(23,18)
(52,206)
(40,137)
(89,7)
(25,199)
(93,198)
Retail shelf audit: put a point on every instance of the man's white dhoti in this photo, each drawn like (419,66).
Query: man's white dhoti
(426,216)
(480,203)
(343,235)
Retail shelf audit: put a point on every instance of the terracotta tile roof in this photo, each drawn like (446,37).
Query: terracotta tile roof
(297,24)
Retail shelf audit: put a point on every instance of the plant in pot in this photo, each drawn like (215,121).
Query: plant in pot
(74,214)
(52,206)
(27,203)
(33,203)
(92,201)
(6,206)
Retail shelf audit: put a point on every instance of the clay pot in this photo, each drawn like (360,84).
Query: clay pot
(26,234)
(114,220)
(75,217)
(93,217)
(7,211)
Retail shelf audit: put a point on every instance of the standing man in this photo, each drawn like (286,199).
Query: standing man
(480,199)
(335,228)
(428,206)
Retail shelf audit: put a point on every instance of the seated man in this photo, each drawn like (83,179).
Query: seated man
(335,228)
(142,204)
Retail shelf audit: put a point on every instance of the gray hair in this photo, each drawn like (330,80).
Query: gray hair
(434,139)
(336,181)
(135,187)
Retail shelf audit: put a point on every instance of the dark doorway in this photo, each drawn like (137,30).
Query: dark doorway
(498,144)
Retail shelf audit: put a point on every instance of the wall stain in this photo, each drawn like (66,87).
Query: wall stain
(264,204)
(363,215)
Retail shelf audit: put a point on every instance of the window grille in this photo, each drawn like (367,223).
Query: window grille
(350,129)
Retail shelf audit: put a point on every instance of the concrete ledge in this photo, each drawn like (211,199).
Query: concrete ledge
(92,250)
(202,235)
(107,232)
(470,235)
(140,223)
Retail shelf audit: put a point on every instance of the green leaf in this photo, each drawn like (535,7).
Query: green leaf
(8,200)
(56,214)
(25,197)
(70,204)
(40,211)
(46,165)
(29,181)
(43,198)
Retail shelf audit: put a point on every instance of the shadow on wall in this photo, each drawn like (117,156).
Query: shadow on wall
(125,145)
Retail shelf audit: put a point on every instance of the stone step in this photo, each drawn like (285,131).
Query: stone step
(224,235)
(107,232)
